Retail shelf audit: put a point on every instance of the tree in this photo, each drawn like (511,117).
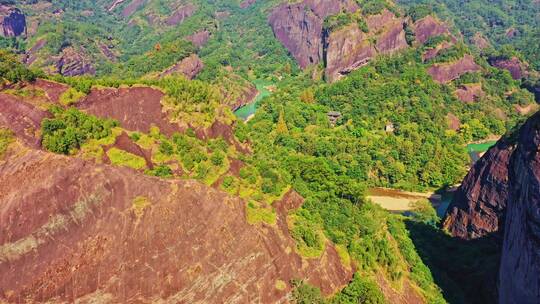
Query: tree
(282,125)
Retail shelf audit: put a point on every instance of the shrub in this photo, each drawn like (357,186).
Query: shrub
(71,96)
(122,158)
(69,129)
(6,137)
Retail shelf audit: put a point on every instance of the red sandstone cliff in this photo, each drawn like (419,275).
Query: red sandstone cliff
(12,22)
(99,234)
(519,275)
(501,194)
(299,27)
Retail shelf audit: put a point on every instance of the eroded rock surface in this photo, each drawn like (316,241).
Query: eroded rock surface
(130,238)
(446,72)
(22,118)
(349,48)
(470,92)
(429,27)
(501,195)
(478,206)
(12,21)
(73,63)
(299,26)
(517,69)
(136,109)
(519,274)
(180,14)
(189,67)
(199,39)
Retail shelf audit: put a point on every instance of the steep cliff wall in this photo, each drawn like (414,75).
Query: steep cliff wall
(299,27)
(519,274)
(348,47)
(502,192)
(12,22)
(479,204)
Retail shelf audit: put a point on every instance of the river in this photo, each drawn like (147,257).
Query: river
(248,110)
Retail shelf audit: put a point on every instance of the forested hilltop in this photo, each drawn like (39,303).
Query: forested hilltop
(225,151)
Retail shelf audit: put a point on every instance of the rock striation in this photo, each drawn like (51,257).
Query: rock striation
(72,63)
(180,14)
(519,275)
(12,21)
(189,67)
(349,48)
(299,27)
(448,71)
(478,206)
(128,238)
(517,69)
(429,27)
(501,194)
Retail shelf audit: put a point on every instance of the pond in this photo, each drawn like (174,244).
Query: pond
(248,110)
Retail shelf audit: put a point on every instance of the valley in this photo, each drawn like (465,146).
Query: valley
(307,151)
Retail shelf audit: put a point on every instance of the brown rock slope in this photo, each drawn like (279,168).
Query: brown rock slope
(100,234)
(502,192)
(428,27)
(22,118)
(136,109)
(517,69)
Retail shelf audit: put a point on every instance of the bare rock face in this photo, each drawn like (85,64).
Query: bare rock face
(32,54)
(72,63)
(299,27)
(348,48)
(519,275)
(128,238)
(137,109)
(428,27)
(12,22)
(479,204)
(501,194)
(199,39)
(434,52)
(189,67)
(517,69)
(470,92)
(22,118)
(132,7)
(446,72)
(480,41)
(183,12)
(247,3)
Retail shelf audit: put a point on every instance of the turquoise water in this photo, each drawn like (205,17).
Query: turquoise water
(475,150)
(249,109)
